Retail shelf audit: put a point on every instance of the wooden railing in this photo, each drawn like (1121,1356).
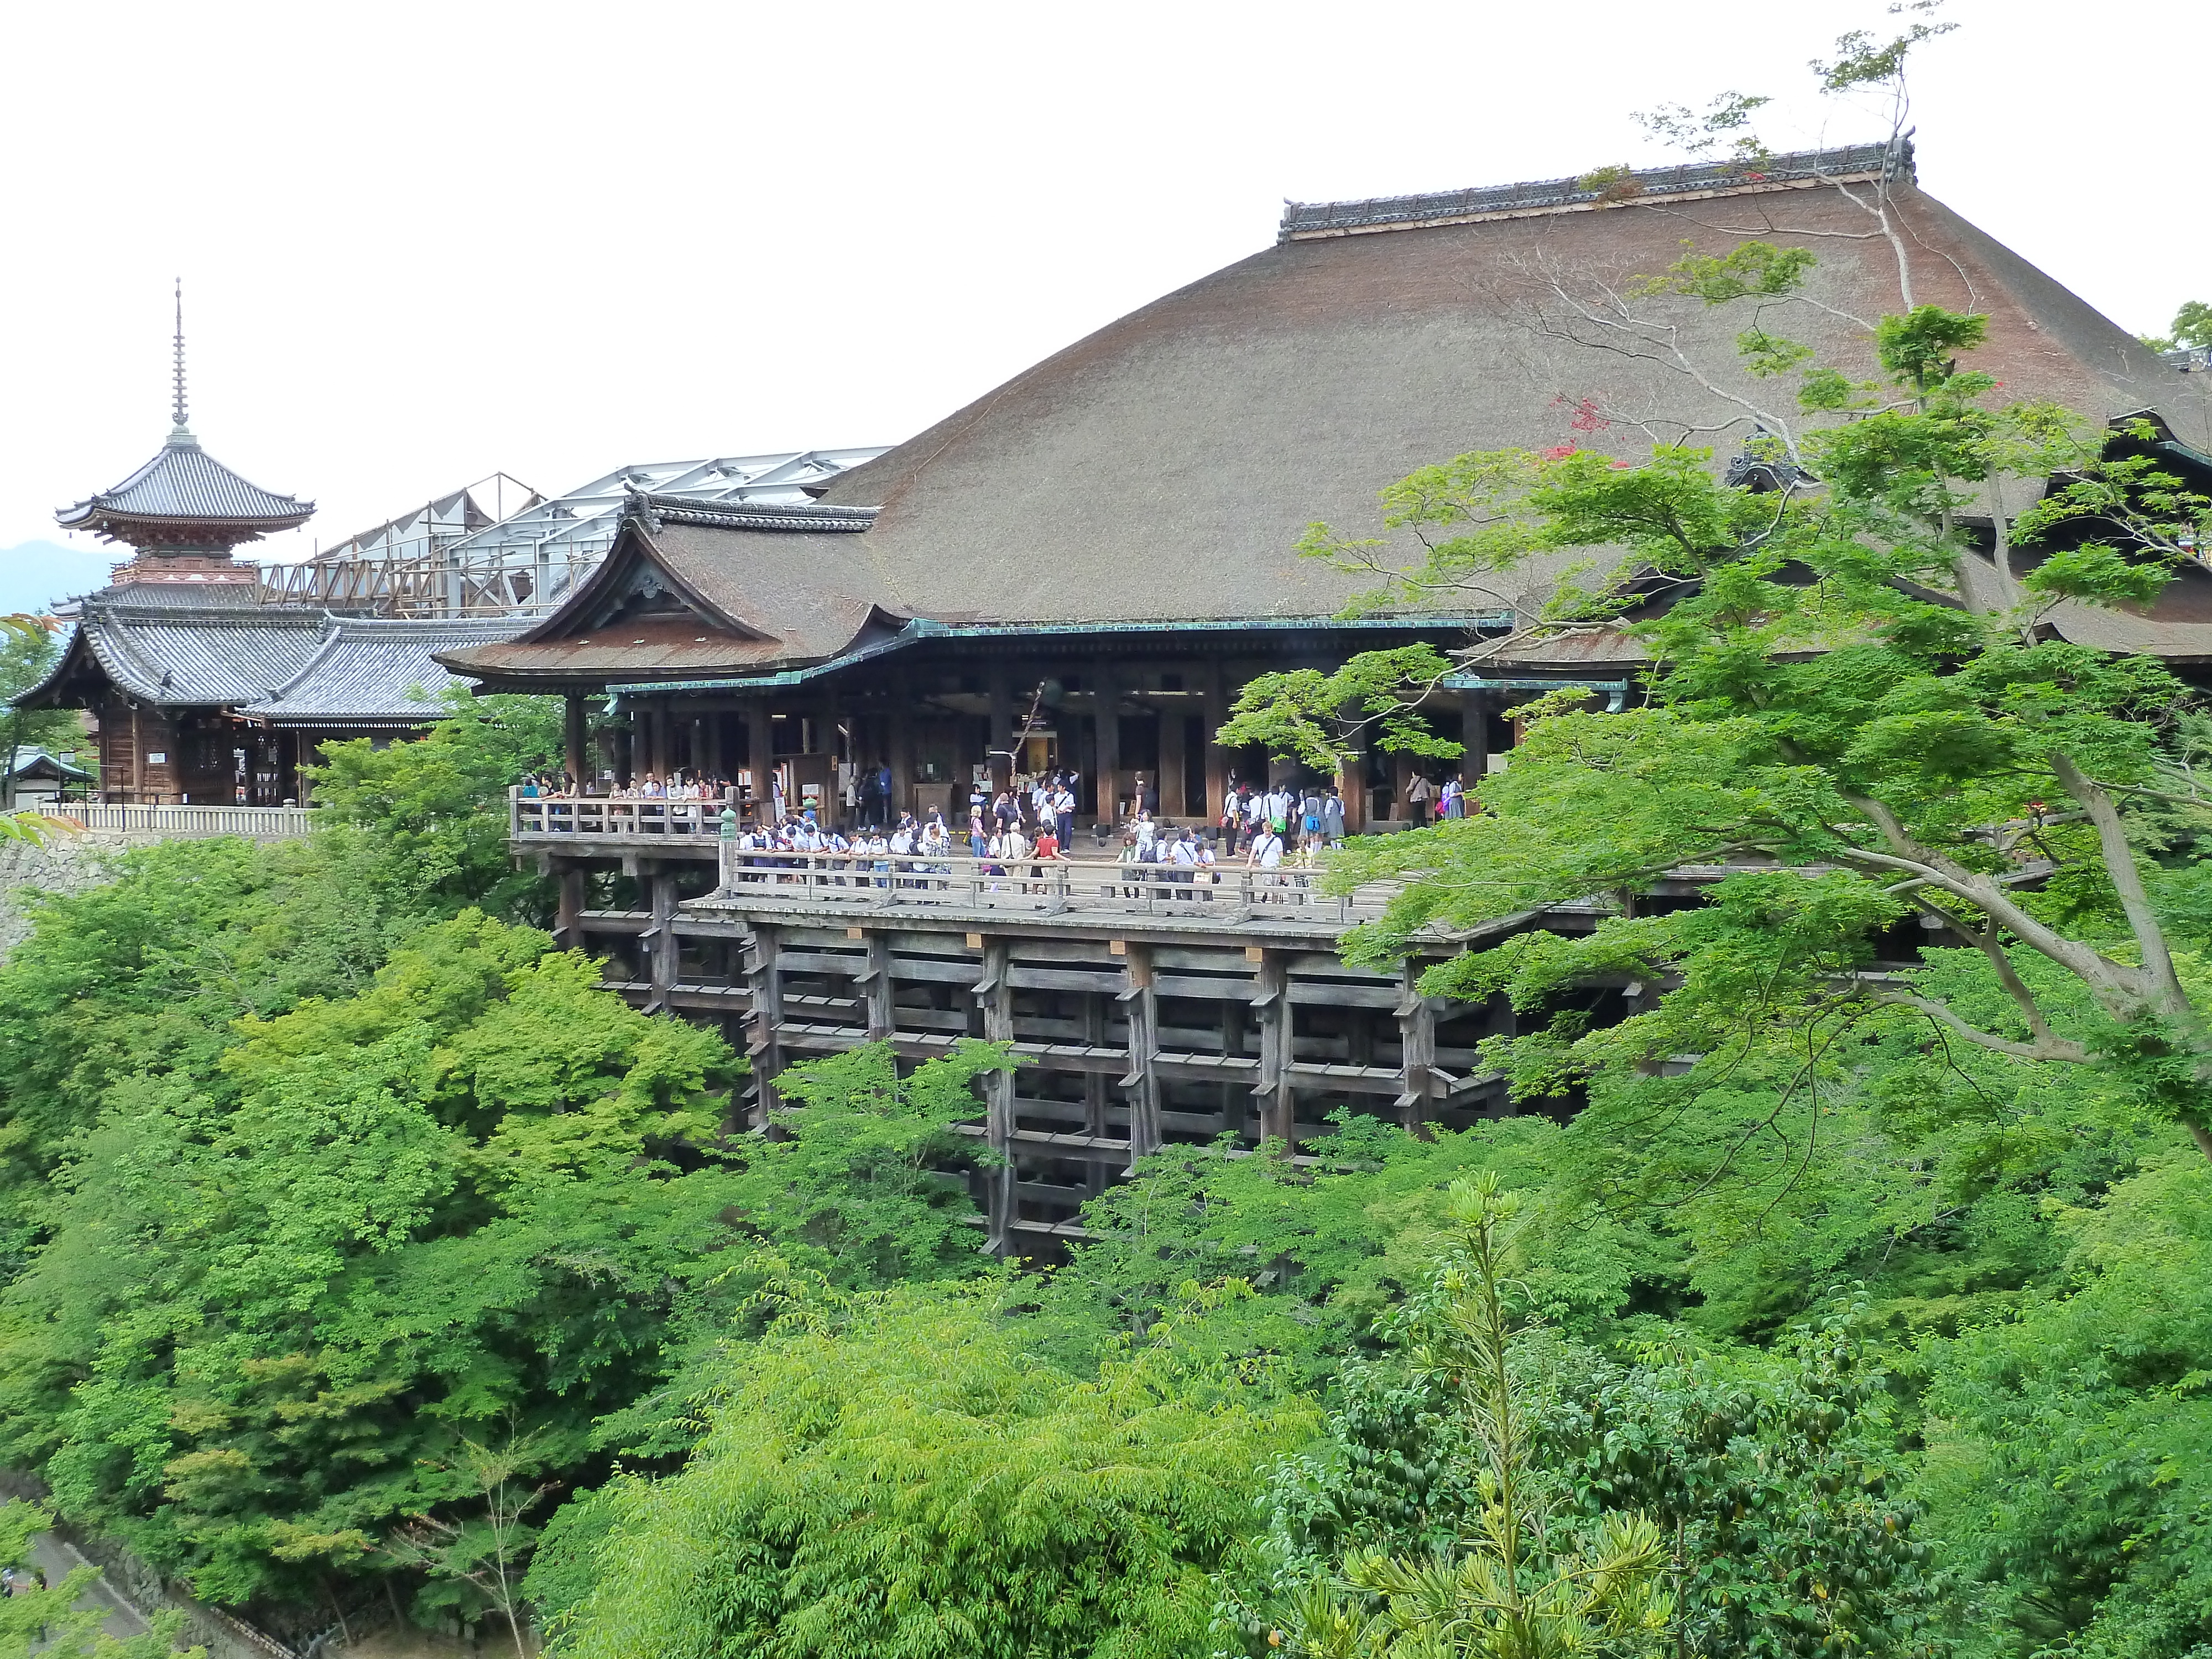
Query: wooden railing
(597,815)
(1055,886)
(255,823)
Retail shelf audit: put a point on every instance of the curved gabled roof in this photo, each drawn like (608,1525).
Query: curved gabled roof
(184,485)
(696,590)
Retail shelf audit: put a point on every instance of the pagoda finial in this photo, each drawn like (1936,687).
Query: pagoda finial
(180,355)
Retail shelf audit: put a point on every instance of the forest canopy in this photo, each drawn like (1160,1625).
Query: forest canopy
(1848,1296)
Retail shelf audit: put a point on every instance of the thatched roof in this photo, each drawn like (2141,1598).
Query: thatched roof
(1163,469)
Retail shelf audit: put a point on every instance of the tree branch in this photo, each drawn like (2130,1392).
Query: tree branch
(2119,860)
(2050,1048)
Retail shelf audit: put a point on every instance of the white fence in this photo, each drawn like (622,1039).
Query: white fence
(255,823)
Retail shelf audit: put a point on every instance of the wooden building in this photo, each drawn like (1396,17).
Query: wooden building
(203,697)
(203,693)
(1083,566)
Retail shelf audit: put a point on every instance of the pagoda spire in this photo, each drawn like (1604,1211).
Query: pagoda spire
(184,511)
(181,432)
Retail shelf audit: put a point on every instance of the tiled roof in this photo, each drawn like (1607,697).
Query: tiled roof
(1306,219)
(803,518)
(292,665)
(185,483)
(371,669)
(173,655)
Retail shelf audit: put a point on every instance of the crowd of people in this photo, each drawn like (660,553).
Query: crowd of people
(1032,822)
(646,786)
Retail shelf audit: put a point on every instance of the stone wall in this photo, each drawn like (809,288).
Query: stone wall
(63,862)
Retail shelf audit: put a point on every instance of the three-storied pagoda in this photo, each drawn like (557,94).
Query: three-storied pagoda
(203,693)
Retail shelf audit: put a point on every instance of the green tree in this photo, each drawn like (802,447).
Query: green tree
(1776,1481)
(1898,758)
(487,1545)
(2066,1442)
(273,1293)
(1519,1584)
(436,807)
(28,652)
(896,1474)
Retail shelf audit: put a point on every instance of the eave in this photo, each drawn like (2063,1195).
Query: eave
(922,628)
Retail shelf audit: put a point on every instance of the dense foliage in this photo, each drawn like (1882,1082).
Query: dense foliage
(1849,1295)
(895,1475)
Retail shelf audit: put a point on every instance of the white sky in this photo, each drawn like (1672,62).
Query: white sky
(424,242)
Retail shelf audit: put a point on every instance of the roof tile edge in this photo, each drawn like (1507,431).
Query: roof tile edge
(814,517)
(1311,220)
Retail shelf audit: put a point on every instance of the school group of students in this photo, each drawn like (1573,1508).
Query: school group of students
(646,786)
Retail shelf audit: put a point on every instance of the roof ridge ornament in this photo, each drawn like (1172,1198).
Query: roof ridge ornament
(180,436)
(1890,159)
(639,505)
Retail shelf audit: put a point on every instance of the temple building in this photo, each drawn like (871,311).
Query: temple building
(1083,566)
(203,693)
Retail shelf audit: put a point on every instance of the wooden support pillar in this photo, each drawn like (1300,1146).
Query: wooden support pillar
(659,938)
(825,721)
(995,997)
(1094,1083)
(709,752)
(1107,700)
(1217,759)
(1351,789)
(763,1041)
(1233,1111)
(572,734)
(1172,804)
(1272,1001)
(567,926)
(876,987)
(1417,1050)
(901,755)
(662,718)
(760,752)
(1502,1021)
(1474,737)
(1002,729)
(1140,1009)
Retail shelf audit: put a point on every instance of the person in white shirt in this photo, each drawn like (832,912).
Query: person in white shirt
(1183,857)
(1007,846)
(1267,856)
(1206,875)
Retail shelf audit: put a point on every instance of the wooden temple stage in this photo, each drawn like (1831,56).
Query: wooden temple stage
(1145,1011)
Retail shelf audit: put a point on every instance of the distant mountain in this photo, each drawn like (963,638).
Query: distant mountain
(34,575)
